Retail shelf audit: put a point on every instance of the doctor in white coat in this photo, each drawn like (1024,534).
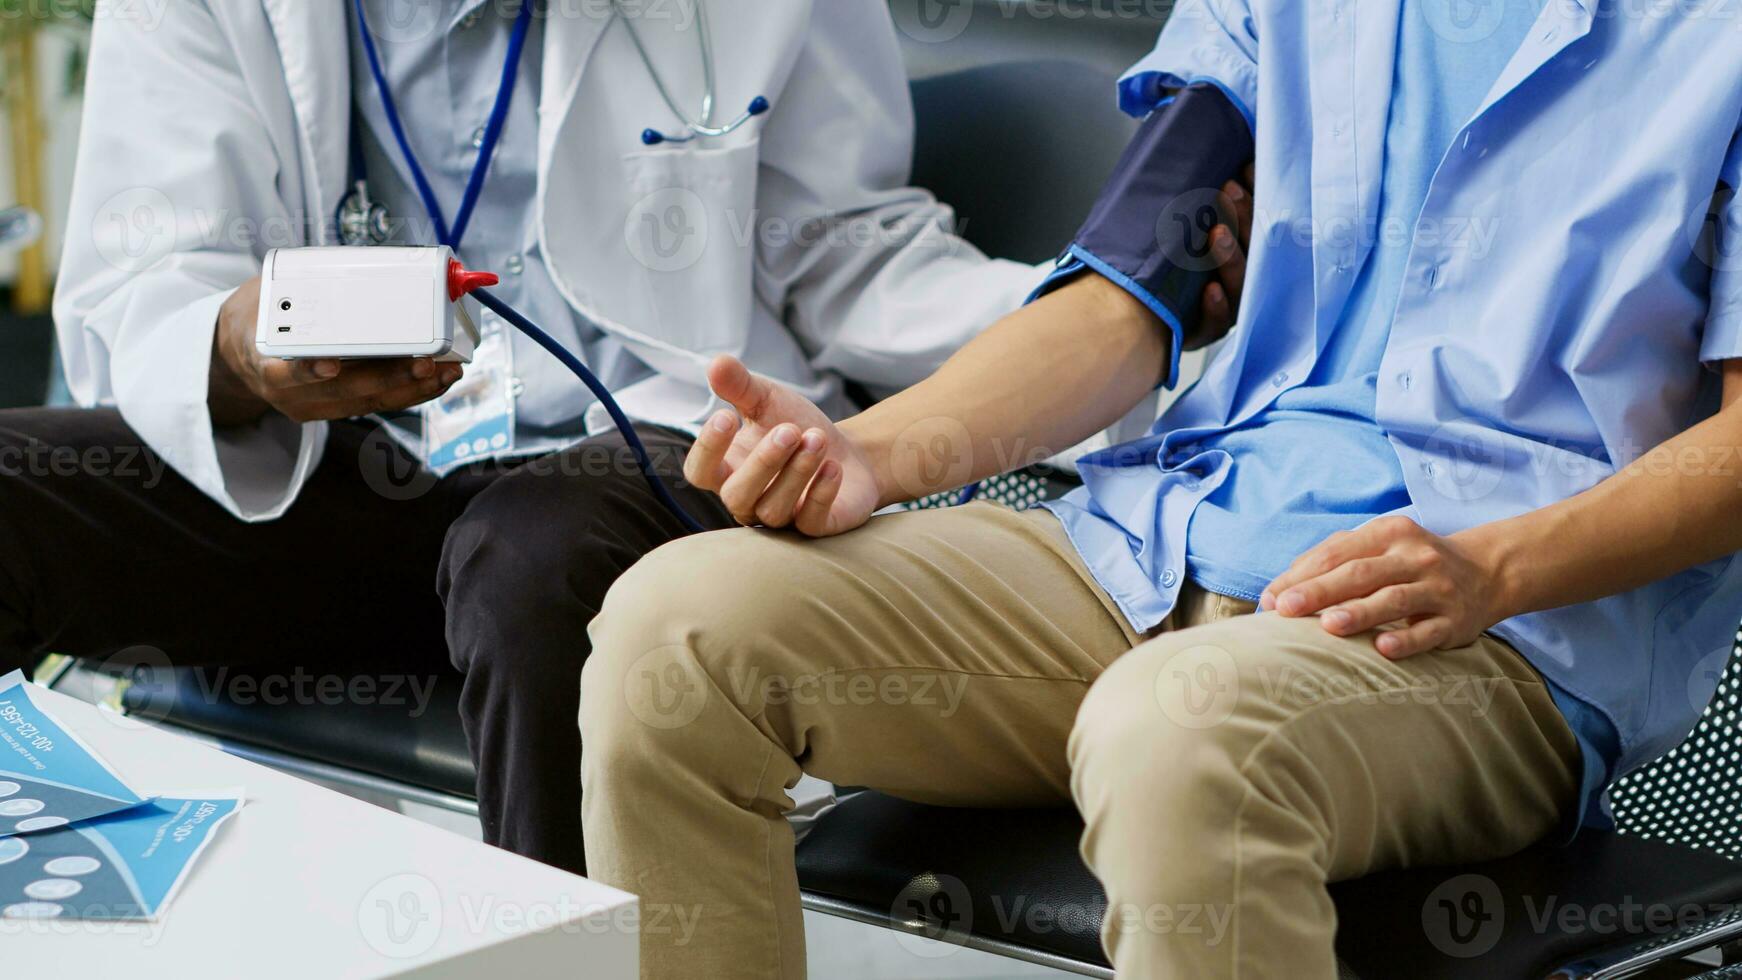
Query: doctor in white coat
(340,518)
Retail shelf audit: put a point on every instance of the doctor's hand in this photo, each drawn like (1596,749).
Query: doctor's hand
(785,464)
(1441,592)
(244,385)
(1229,243)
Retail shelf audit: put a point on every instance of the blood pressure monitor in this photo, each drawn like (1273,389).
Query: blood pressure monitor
(384,301)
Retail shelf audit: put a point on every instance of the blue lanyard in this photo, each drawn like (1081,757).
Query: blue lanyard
(492,129)
(451,237)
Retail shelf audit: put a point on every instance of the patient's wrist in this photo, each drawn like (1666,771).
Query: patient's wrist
(872,440)
(911,457)
(1493,547)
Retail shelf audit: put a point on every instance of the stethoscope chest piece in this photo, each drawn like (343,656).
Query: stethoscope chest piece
(361,220)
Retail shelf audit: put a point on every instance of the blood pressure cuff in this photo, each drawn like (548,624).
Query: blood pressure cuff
(1149,231)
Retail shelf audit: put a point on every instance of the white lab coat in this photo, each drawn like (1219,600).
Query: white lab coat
(222,130)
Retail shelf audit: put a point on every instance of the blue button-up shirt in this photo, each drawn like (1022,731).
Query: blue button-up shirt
(1576,264)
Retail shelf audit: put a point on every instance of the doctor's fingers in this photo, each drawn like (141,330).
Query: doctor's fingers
(745,487)
(331,401)
(1231,267)
(1216,316)
(1240,200)
(363,379)
(350,375)
(705,465)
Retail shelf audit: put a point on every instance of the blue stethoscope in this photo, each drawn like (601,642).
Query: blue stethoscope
(361,221)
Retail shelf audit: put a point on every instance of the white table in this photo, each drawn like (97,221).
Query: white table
(307,883)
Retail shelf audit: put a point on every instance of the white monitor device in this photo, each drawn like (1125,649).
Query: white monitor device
(378,301)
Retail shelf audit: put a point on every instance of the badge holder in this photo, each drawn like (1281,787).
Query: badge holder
(475,418)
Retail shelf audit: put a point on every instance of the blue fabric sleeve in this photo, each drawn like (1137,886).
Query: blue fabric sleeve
(1149,231)
(1205,41)
(1720,244)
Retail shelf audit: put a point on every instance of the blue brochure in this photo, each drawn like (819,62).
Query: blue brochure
(126,866)
(48,778)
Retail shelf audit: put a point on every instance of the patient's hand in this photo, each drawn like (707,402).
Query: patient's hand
(1221,299)
(785,463)
(1440,592)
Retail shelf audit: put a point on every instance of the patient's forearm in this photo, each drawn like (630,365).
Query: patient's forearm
(1037,382)
(1673,508)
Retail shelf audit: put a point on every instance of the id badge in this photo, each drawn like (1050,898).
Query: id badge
(475,418)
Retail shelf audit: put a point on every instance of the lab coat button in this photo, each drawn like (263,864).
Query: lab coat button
(1404,380)
(514,265)
(478,138)
(1168,578)
(1280,379)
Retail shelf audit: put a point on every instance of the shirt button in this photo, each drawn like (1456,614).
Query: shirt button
(470,21)
(514,265)
(516,387)
(1168,578)
(1279,379)
(478,138)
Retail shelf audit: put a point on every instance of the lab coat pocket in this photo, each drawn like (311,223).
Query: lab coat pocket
(689,229)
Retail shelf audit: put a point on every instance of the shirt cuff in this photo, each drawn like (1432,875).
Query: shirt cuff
(1722,338)
(253,471)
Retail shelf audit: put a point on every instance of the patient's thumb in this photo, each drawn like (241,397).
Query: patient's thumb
(732,381)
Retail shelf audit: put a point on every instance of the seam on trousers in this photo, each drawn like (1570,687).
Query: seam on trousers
(768,859)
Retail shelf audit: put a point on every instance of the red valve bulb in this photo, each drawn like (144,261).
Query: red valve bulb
(462,281)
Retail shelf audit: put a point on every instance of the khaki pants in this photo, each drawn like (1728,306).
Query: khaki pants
(1228,767)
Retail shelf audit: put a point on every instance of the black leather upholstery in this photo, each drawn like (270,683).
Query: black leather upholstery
(395,741)
(1020,172)
(1015,875)
(943,36)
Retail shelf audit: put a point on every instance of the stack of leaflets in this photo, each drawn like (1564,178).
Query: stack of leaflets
(76,841)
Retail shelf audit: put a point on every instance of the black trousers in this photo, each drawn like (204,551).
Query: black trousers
(378,567)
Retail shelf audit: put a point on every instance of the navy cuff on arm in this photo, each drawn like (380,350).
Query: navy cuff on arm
(1149,232)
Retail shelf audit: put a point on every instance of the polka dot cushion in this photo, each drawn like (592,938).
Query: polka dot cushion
(1692,795)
